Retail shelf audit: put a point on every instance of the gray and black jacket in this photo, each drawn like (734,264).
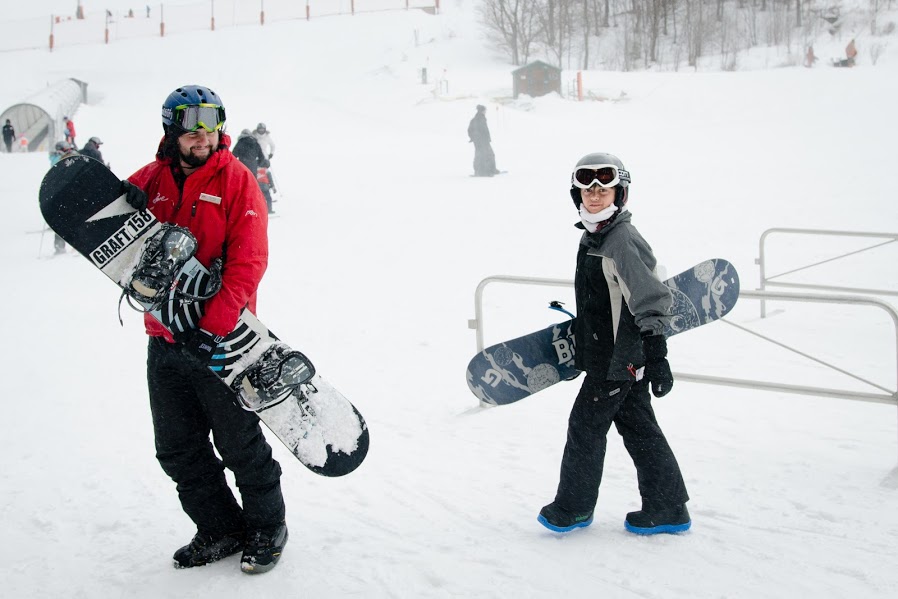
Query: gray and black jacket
(619,296)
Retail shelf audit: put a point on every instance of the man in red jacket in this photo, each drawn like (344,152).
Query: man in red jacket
(195,182)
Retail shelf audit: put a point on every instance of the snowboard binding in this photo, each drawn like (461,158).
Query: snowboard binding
(279,373)
(156,276)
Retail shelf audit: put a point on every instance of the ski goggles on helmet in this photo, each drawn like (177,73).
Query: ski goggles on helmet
(603,175)
(210,117)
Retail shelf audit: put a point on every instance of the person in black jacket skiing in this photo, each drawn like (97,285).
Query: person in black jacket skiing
(622,310)
(9,135)
(479,135)
(250,153)
(92,149)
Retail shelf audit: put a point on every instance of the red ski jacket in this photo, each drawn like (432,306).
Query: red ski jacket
(222,205)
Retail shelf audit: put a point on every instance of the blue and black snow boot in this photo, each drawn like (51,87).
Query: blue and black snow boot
(670,520)
(558,519)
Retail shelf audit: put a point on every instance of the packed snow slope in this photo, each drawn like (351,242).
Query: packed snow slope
(379,243)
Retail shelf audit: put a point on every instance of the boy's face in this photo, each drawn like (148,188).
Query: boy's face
(595,199)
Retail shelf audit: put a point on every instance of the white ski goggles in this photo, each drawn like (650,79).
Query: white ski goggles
(603,175)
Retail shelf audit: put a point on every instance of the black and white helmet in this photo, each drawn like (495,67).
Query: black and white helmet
(604,170)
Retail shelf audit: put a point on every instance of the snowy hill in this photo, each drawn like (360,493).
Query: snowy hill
(381,240)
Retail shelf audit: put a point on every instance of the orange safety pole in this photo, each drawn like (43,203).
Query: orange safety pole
(106,34)
(307,10)
(51,33)
(213,15)
(161,21)
(352,6)
(579,86)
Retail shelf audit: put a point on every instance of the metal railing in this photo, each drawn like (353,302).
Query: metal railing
(768,281)
(888,396)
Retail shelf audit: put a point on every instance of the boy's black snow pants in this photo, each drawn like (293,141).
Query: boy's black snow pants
(628,405)
(187,402)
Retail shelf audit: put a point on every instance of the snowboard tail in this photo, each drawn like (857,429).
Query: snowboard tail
(81,201)
(512,370)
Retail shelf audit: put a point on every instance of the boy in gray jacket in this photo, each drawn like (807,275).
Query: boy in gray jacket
(622,308)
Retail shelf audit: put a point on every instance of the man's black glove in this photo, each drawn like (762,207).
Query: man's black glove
(657,369)
(271,155)
(199,344)
(134,195)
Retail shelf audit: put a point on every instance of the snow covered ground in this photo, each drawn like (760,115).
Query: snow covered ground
(380,241)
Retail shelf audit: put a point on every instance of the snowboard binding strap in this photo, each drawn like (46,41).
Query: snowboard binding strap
(279,373)
(155,279)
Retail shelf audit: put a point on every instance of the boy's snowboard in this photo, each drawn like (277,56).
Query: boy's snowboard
(81,201)
(512,370)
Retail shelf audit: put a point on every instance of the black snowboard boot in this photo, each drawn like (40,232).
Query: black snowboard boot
(263,549)
(204,549)
(653,522)
(558,519)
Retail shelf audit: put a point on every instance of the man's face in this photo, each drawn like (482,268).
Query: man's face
(197,146)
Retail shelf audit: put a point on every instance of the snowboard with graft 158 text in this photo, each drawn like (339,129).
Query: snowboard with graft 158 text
(81,201)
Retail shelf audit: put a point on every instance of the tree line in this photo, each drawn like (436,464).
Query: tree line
(637,34)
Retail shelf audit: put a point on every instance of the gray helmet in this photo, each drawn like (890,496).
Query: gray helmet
(261,128)
(621,193)
(96,140)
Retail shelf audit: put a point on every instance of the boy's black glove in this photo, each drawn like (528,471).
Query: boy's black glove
(199,344)
(134,195)
(657,369)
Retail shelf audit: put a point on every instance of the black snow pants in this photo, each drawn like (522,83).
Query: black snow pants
(628,405)
(188,401)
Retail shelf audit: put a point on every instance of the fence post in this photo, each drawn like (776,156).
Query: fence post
(106,32)
(352,6)
(579,86)
(213,15)
(161,20)
(262,14)
(307,10)
(51,33)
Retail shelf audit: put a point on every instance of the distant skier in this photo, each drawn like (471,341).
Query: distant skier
(61,150)
(479,135)
(69,130)
(266,142)
(249,152)
(92,148)
(263,136)
(622,309)
(9,135)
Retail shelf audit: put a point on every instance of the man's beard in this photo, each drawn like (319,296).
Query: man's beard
(191,159)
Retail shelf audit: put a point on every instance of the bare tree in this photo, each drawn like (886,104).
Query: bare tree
(514,25)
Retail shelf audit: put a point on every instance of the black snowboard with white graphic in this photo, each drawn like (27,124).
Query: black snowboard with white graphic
(512,370)
(153,265)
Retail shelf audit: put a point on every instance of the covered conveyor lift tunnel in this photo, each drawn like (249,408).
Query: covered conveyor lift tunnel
(40,118)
